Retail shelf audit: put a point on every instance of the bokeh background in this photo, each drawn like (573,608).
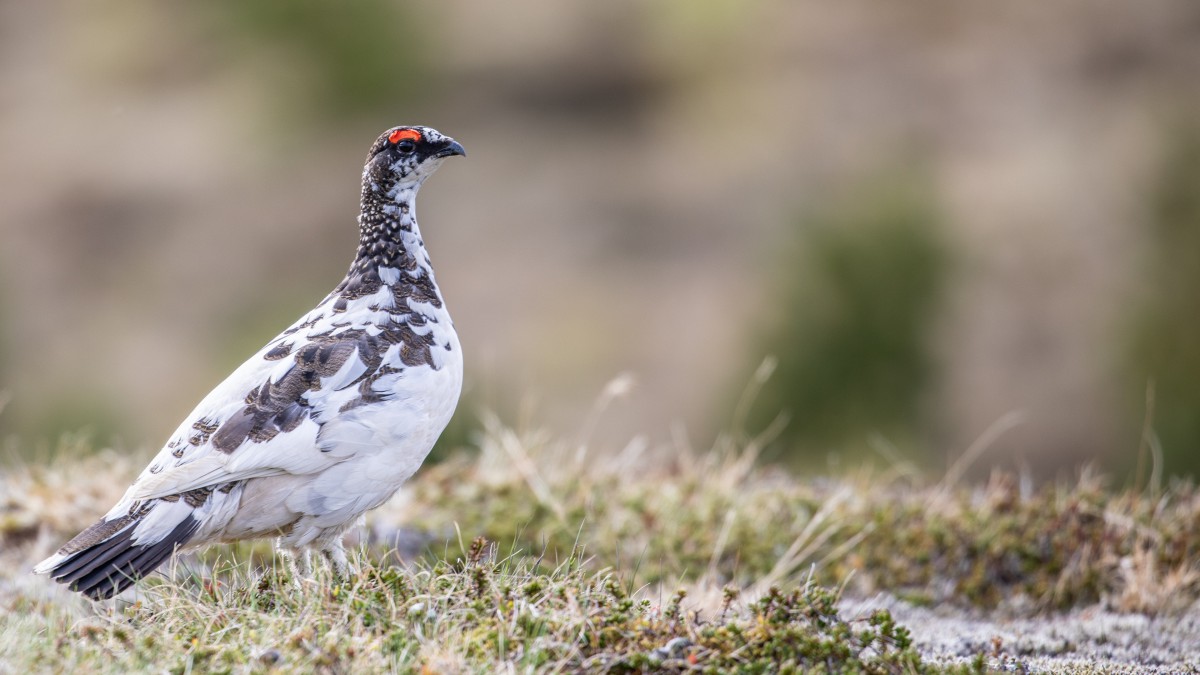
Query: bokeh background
(923,220)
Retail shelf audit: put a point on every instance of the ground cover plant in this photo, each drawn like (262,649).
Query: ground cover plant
(539,555)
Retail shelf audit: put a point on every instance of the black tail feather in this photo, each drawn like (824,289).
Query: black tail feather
(88,559)
(111,566)
(92,581)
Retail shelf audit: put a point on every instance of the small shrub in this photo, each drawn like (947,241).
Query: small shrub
(850,328)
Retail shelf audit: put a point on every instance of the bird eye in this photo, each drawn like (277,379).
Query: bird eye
(406,146)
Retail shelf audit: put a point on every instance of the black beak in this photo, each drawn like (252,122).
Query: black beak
(452,148)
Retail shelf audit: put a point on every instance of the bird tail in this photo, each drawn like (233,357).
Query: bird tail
(109,556)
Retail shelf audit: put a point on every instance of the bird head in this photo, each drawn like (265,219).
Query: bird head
(403,157)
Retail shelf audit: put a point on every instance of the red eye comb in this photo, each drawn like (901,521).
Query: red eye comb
(404,135)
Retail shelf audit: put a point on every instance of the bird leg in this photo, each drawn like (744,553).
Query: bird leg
(299,562)
(335,554)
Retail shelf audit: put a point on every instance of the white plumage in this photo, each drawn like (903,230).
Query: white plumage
(324,423)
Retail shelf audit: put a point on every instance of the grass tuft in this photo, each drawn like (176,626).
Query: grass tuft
(475,614)
(537,556)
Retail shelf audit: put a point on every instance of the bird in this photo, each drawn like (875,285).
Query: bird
(323,424)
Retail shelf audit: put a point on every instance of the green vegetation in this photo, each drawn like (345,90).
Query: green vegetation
(721,519)
(474,615)
(622,563)
(851,337)
(1165,349)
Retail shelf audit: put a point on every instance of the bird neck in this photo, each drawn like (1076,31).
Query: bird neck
(390,248)
(388,235)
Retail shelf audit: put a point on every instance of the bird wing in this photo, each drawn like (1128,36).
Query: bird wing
(265,418)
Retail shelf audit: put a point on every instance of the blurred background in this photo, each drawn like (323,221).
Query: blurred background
(923,220)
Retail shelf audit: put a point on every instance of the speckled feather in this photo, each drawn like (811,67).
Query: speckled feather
(325,422)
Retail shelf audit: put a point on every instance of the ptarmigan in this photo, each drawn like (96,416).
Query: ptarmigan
(321,425)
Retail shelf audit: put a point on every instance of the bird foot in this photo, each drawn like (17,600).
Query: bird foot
(336,557)
(299,562)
